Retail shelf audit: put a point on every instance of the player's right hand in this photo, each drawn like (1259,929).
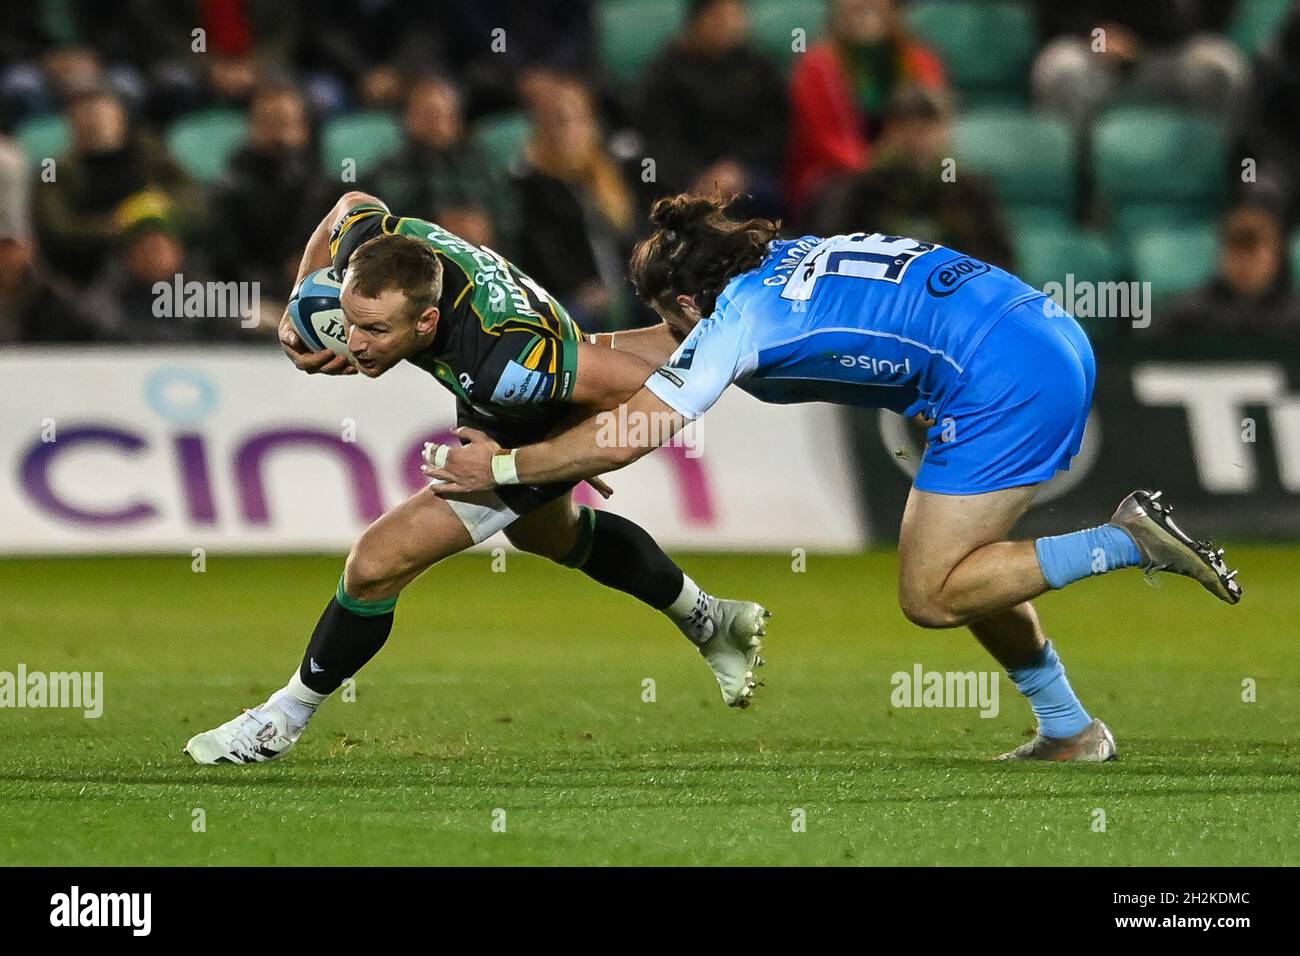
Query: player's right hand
(323,362)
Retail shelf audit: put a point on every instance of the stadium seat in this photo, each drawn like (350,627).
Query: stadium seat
(1158,165)
(1137,218)
(775,21)
(630,32)
(503,137)
(1295,256)
(43,137)
(1050,254)
(1031,158)
(1256,22)
(986,47)
(1176,259)
(1053,254)
(365,138)
(203,142)
(1022,218)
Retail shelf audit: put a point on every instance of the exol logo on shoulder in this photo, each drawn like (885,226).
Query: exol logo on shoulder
(946,279)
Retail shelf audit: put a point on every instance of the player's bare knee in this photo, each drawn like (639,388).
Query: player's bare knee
(926,611)
(369,577)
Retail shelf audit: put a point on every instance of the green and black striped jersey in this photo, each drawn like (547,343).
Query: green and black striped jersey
(504,347)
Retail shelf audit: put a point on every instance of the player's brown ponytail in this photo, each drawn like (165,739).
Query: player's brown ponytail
(696,249)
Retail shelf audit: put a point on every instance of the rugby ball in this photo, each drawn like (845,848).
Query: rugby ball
(317,313)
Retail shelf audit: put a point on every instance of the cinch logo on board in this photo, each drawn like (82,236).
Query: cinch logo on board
(217,480)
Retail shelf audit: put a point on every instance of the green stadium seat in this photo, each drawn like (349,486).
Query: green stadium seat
(1049,255)
(503,137)
(1155,165)
(1256,22)
(986,47)
(43,137)
(1053,254)
(1176,259)
(630,32)
(1135,219)
(365,138)
(775,21)
(203,142)
(1029,218)
(1031,158)
(1295,256)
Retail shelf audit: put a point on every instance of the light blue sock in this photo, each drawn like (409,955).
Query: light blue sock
(1066,558)
(1049,692)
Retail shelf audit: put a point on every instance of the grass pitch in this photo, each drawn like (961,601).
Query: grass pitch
(523,691)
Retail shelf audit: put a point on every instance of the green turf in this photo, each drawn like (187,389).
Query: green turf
(522,691)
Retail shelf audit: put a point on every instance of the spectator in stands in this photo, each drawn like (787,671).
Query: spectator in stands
(713,109)
(212,53)
(501,50)
(125,299)
(356,51)
(441,174)
(34,306)
(1273,133)
(76,209)
(1094,49)
(906,194)
(577,210)
(271,197)
(51,51)
(1252,294)
(841,88)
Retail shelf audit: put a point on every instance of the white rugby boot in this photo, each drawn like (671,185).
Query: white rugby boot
(728,635)
(255,736)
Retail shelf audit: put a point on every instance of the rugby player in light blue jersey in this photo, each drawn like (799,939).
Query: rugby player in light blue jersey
(1002,377)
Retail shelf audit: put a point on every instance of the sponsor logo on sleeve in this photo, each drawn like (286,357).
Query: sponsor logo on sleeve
(946,279)
(675,379)
(519,385)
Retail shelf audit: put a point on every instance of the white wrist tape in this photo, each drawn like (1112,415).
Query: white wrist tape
(505,471)
(436,455)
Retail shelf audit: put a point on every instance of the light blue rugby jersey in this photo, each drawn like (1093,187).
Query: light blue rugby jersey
(864,319)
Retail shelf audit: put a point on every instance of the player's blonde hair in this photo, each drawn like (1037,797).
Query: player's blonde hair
(397,262)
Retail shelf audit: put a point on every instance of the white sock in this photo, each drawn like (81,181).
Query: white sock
(298,701)
(690,611)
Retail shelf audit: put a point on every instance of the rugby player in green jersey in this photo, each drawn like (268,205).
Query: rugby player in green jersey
(520,370)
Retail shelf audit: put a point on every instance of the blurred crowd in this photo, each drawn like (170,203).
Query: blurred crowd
(849,134)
